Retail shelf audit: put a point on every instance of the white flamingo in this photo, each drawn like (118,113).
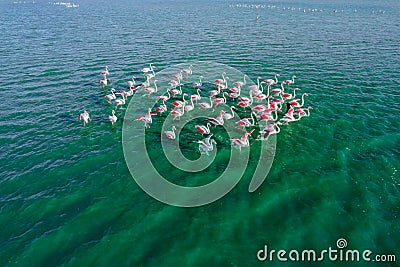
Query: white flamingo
(206,145)
(120,102)
(171,134)
(131,83)
(85,117)
(111,96)
(112,118)
(198,84)
(228,116)
(243,141)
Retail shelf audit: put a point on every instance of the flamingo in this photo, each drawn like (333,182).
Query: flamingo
(219,120)
(111,96)
(197,96)
(243,141)
(85,117)
(228,116)
(112,118)
(287,96)
(120,102)
(105,81)
(147,119)
(198,84)
(175,91)
(234,93)
(215,92)
(188,71)
(206,105)
(131,83)
(295,103)
(151,90)
(171,134)
(246,102)
(271,82)
(269,130)
(223,80)
(220,100)
(149,69)
(259,108)
(165,98)
(179,104)
(161,109)
(206,145)
(240,84)
(245,122)
(105,72)
(289,82)
(267,115)
(189,107)
(178,113)
(256,88)
(203,129)
(303,112)
(277,91)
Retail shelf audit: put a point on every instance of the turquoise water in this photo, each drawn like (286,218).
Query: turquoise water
(66,194)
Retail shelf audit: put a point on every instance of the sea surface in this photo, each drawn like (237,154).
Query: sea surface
(66,194)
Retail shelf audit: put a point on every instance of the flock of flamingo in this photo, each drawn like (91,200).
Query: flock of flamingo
(270,102)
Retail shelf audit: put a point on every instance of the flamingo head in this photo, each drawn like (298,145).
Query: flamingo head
(173,128)
(297,88)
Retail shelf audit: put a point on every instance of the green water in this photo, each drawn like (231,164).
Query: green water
(66,194)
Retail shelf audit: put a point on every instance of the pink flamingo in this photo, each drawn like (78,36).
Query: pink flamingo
(105,81)
(219,120)
(165,98)
(245,122)
(105,72)
(242,142)
(131,83)
(271,82)
(289,82)
(206,105)
(151,90)
(269,130)
(178,113)
(147,119)
(220,100)
(198,84)
(203,129)
(241,84)
(189,107)
(196,97)
(161,109)
(287,96)
(295,103)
